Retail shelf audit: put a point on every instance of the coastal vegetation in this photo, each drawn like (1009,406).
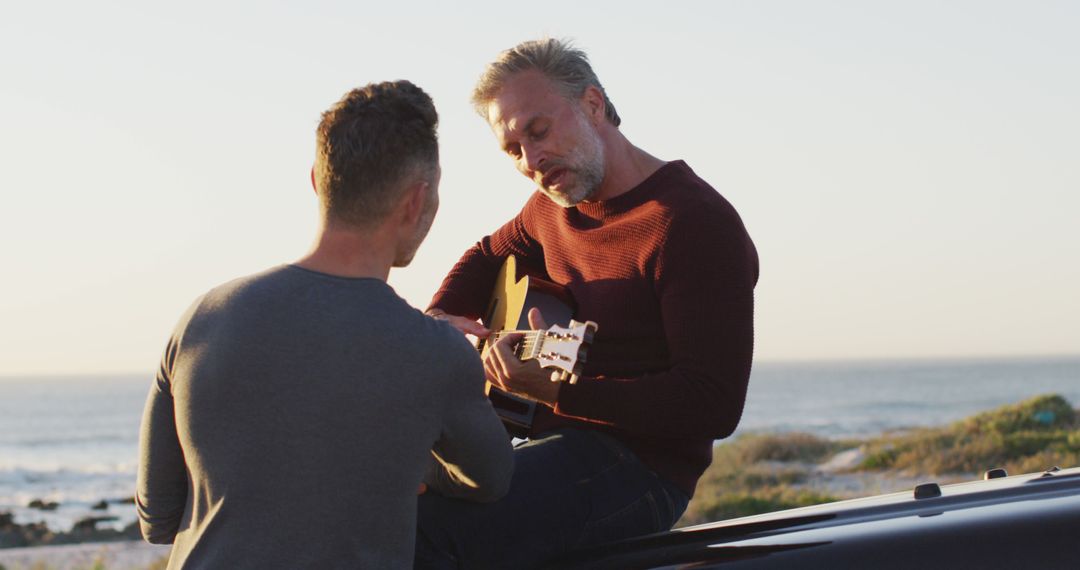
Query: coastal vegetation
(759,473)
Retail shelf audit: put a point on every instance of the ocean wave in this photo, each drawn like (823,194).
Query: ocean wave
(22,474)
(69,439)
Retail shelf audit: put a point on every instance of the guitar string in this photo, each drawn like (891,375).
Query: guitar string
(530,344)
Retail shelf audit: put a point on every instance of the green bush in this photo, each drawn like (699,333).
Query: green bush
(1047,412)
(758,473)
(1004,436)
(783,447)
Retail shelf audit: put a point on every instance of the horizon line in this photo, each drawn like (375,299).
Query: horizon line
(946,359)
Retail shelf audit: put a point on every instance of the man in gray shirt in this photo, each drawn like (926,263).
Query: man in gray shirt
(297,411)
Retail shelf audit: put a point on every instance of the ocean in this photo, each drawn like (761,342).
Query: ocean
(73,440)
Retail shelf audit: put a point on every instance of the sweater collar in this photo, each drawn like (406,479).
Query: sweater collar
(635,196)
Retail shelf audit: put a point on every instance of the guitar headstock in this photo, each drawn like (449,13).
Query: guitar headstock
(564,349)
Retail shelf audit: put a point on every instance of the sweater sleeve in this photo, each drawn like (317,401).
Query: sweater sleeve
(467,288)
(473,458)
(162,484)
(704,279)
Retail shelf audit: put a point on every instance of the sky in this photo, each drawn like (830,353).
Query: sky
(908,170)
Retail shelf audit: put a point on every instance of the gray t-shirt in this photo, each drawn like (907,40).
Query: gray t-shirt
(293,418)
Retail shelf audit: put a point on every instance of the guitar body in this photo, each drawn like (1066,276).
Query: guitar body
(508,310)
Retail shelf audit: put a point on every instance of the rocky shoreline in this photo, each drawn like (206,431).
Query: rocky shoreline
(93,542)
(14,535)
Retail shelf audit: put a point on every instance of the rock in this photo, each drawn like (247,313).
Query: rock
(32,534)
(100,505)
(43,505)
(133,531)
(13,534)
(89,524)
(12,539)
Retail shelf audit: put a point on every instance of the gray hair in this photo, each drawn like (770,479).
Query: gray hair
(567,67)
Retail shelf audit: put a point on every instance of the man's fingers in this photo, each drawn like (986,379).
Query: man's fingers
(507,371)
(536,320)
(504,355)
(492,369)
(489,370)
(422,489)
(465,325)
(500,360)
(471,327)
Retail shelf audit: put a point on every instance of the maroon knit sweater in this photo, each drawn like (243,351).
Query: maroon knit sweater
(667,271)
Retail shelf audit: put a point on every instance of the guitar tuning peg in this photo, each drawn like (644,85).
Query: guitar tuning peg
(590,331)
(556,375)
(573,378)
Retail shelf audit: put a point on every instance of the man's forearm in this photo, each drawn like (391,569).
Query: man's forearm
(472,458)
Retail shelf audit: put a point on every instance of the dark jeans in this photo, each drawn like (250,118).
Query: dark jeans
(571,489)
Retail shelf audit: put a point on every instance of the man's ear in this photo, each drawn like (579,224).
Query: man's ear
(593,99)
(412,206)
(313,187)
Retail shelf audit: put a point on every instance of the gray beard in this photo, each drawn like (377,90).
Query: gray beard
(588,170)
(587,183)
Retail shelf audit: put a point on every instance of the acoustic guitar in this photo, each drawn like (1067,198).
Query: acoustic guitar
(562,347)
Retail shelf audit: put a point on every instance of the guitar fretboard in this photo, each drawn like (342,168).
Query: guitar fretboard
(530,344)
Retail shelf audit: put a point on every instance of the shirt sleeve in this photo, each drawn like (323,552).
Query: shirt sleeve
(466,290)
(704,279)
(162,483)
(473,458)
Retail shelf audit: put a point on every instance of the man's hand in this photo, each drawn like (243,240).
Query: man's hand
(510,373)
(462,324)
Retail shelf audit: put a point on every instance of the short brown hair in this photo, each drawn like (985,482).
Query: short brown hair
(563,64)
(368,144)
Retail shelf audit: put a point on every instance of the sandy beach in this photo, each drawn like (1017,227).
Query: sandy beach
(126,555)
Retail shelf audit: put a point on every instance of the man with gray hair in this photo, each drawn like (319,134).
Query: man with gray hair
(297,411)
(653,255)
